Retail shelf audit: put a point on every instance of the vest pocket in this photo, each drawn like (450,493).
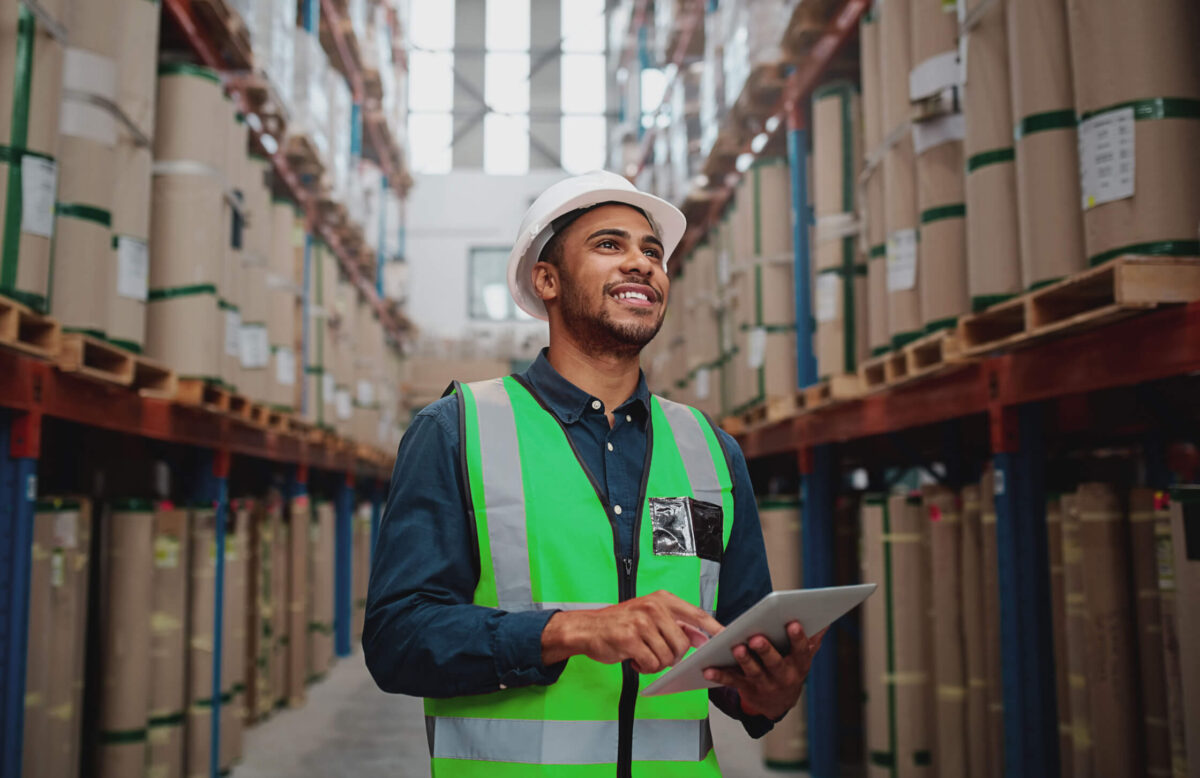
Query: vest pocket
(684,526)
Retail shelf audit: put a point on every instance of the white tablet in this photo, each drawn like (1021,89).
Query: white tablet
(815,609)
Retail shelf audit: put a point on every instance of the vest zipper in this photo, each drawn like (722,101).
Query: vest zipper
(629,686)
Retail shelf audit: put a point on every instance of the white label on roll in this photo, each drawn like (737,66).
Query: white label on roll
(702,383)
(366,393)
(233,333)
(1106,157)
(87,72)
(941,71)
(345,409)
(285,367)
(934,132)
(902,261)
(756,352)
(328,388)
(133,268)
(66,529)
(246,345)
(255,346)
(39,183)
(829,291)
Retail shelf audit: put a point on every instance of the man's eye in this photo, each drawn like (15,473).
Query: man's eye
(607,244)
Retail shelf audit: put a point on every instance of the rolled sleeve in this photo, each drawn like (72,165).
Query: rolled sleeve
(517,647)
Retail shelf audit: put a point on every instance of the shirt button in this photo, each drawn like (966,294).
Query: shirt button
(596,405)
(503,687)
(610,447)
(628,417)
(617,509)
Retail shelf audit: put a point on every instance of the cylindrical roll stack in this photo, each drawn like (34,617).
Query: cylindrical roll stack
(949,606)
(30,95)
(282,288)
(202,570)
(839,295)
(255,341)
(980,760)
(785,747)
(168,644)
(232,284)
(1046,141)
(84,271)
(871,212)
(942,280)
(1146,116)
(136,89)
(993,237)
(899,178)
(187,233)
(320,597)
(127,574)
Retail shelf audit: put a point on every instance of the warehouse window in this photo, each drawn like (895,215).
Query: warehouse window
(584,95)
(506,88)
(488,286)
(431,85)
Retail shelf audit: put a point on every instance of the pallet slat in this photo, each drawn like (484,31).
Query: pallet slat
(95,359)
(24,330)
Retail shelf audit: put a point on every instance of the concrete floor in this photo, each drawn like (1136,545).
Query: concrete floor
(350,729)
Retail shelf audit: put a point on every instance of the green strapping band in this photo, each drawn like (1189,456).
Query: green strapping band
(56,506)
(950,322)
(940,212)
(128,345)
(87,213)
(879,351)
(883,759)
(188,69)
(34,301)
(847,154)
(22,87)
(97,334)
(166,720)
(1041,122)
(993,157)
(1154,108)
(225,305)
(281,408)
(878,252)
(313,370)
(902,339)
(170,293)
(922,758)
(983,301)
(757,213)
(772,329)
(840,86)
(1036,285)
(123,737)
(1157,248)
(133,505)
(320,627)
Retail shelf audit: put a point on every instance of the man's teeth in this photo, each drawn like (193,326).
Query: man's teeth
(632,296)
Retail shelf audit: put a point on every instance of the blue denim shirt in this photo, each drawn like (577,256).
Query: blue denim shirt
(424,637)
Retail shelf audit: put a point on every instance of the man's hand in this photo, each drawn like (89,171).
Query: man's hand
(769,684)
(651,630)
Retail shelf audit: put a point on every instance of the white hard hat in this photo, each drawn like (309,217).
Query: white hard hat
(573,194)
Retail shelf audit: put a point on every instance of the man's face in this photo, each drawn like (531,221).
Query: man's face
(613,292)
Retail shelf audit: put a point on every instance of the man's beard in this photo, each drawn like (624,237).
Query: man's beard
(597,332)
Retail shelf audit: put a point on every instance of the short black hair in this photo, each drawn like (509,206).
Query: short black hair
(552,253)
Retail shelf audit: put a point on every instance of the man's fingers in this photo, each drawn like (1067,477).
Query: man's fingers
(767,654)
(798,639)
(690,614)
(726,678)
(747,662)
(663,653)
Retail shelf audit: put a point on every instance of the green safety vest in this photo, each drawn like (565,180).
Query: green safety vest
(548,541)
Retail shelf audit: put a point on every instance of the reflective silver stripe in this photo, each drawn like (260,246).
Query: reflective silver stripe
(702,474)
(504,494)
(565,742)
(570,606)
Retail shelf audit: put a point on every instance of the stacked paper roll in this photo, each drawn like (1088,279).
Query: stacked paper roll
(1148,605)
(1185,586)
(201,571)
(940,198)
(29,145)
(993,237)
(874,235)
(1147,116)
(935,64)
(187,234)
(899,178)
(84,267)
(1058,611)
(980,760)
(991,624)
(233,272)
(941,506)
(255,346)
(168,644)
(877,638)
(299,516)
(1047,153)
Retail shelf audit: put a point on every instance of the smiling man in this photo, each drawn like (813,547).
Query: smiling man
(555,540)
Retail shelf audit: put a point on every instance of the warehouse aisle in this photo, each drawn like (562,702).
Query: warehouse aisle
(350,729)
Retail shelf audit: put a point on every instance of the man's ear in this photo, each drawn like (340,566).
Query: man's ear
(545,281)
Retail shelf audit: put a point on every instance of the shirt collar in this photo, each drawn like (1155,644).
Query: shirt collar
(568,402)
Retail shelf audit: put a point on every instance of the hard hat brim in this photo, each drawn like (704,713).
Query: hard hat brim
(667,220)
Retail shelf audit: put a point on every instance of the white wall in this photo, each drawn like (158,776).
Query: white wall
(447,216)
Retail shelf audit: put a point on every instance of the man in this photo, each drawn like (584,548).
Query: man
(554,541)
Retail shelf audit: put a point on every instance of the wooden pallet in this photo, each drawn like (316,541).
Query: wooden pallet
(1123,287)
(260,415)
(23,330)
(872,374)
(733,425)
(153,379)
(95,359)
(278,421)
(838,388)
(304,157)
(240,407)
(932,354)
(228,31)
(204,394)
(771,410)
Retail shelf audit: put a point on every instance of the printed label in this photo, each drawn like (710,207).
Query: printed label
(166,552)
(285,367)
(328,388)
(756,352)
(133,268)
(1106,157)
(39,183)
(366,393)
(702,383)
(246,345)
(233,334)
(829,293)
(58,568)
(345,407)
(902,261)
(66,530)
